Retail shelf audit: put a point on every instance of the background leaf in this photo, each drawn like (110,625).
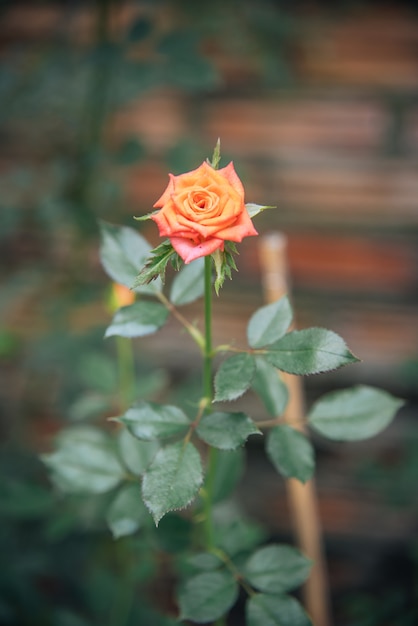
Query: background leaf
(234,377)
(123,252)
(135,454)
(85,461)
(205,561)
(269,323)
(290,452)
(175,534)
(351,414)
(269,387)
(148,421)
(277,568)
(229,469)
(277,610)
(127,512)
(206,597)
(226,431)
(137,320)
(188,284)
(310,351)
(238,536)
(172,480)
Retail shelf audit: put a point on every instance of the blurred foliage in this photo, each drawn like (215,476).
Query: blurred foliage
(60,84)
(58,175)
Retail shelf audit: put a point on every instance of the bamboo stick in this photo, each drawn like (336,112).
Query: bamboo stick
(302,497)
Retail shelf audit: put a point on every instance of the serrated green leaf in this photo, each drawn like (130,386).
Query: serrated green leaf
(277,610)
(255,209)
(137,320)
(277,568)
(309,351)
(234,377)
(188,285)
(269,387)
(229,469)
(127,512)
(85,461)
(206,597)
(226,431)
(352,414)
(123,253)
(269,323)
(136,455)
(148,421)
(290,452)
(172,480)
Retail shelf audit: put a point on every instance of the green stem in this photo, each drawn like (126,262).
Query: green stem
(208,394)
(207,365)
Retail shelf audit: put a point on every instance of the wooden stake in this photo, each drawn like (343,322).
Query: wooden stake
(302,497)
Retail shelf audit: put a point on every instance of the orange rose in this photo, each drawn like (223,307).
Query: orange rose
(202,209)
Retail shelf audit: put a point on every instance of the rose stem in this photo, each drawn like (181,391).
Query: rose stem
(302,497)
(208,394)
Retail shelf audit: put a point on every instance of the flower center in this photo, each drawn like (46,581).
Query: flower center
(201,200)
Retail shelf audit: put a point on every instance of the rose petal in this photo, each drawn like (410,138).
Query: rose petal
(190,251)
(243,227)
(230,173)
(167,193)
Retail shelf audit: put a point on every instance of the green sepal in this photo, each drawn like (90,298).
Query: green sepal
(148,216)
(216,156)
(224,264)
(156,264)
(255,209)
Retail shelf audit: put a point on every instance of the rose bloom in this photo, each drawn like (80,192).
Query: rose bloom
(202,209)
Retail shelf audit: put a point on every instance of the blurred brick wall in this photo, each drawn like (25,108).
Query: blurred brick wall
(337,153)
